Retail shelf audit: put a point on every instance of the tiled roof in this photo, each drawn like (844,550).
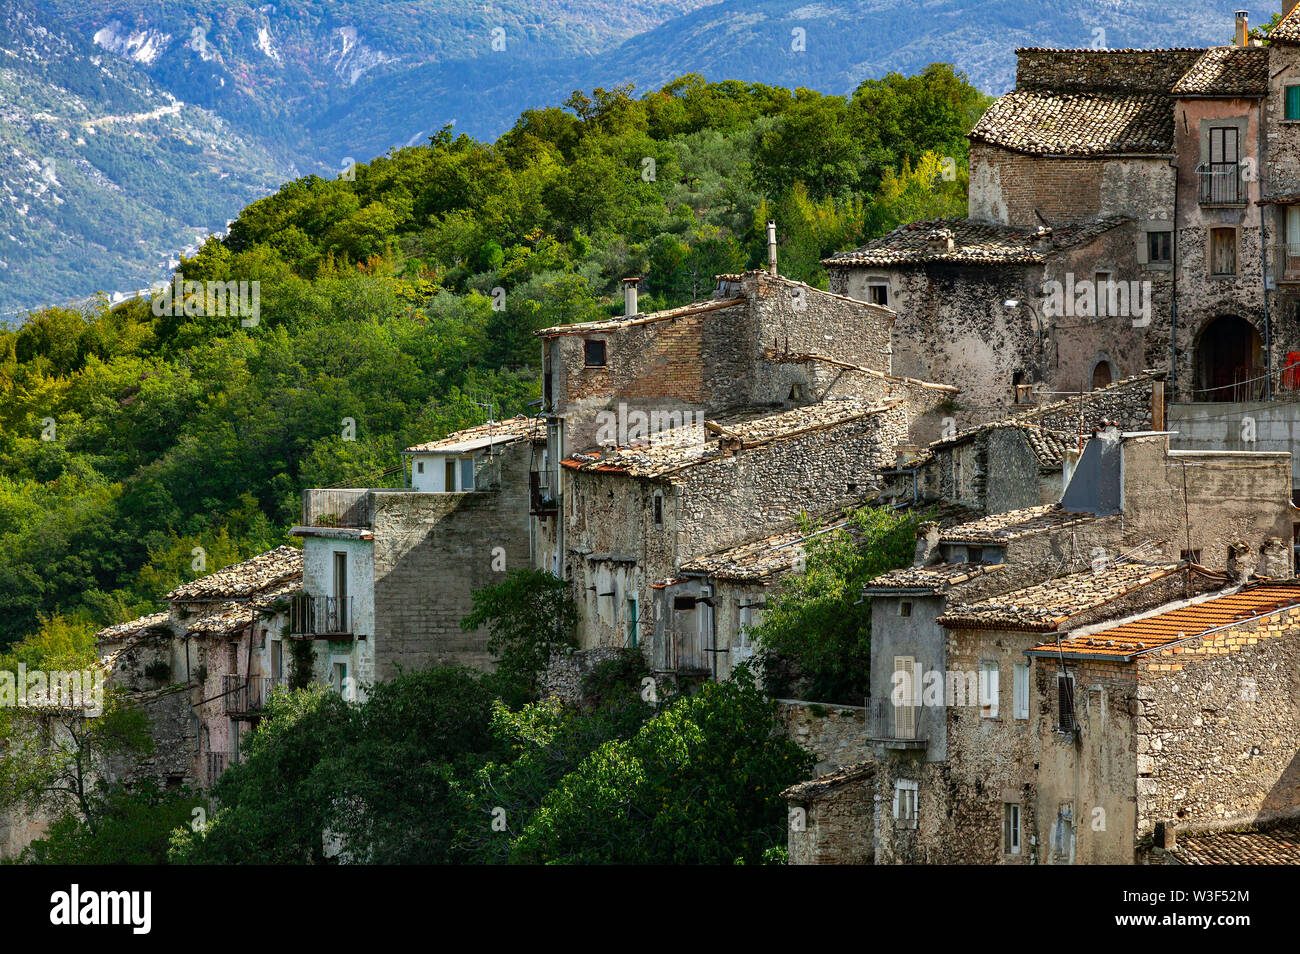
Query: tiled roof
(133,628)
(935,578)
(266,571)
(1196,619)
(517,428)
(1045,606)
(1227,71)
(760,559)
(1271,845)
(972,243)
(625,321)
(999,528)
(817,787)
(1050,122)
(673,450)
(1287,31)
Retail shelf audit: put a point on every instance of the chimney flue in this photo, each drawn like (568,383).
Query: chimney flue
(629,296)
(1243,28)
(771,249)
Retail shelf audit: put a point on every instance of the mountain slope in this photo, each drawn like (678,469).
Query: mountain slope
(102,174)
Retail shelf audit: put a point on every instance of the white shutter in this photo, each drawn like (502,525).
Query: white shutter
(905,712)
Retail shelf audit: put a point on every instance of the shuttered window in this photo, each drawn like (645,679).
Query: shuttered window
(1065,702)
(1223,252)
(1293,102)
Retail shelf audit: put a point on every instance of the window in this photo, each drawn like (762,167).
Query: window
(905,798)
(339,679)
(450,477)
(1065,702)
(904,692)
(974,554)
(467,474)
(234,740)
(1223,251)
(1293,102)
(1011,828)
(659,508)
(277,662)
(683,603)
(1160,248)
(989,689)
(340,574)
(593,352)
(905,608)
(1020,691)
(632,618)
(878,293)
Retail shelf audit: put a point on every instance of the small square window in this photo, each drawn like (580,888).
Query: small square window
(593,352)
(1160,248)
(974,554)
(419,467)
(878,294)
(905,608)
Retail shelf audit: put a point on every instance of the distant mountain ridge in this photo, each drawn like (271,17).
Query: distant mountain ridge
(306,85)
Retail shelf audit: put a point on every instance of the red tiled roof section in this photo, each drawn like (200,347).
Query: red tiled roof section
(1197,619)
(1050,122)
(1287,30)
(1225,71)
(1277,845)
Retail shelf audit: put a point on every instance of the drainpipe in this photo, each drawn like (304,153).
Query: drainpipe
(1263,264)
(1173,306)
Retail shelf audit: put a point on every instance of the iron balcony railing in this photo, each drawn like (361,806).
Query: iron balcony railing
(1286,262)
(245,695)
(540,494)
(214,764)
(350,509)
(896,724)
(1221,183)
(321,616)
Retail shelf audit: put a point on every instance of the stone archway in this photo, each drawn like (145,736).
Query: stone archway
(1103,373)
(1229,361)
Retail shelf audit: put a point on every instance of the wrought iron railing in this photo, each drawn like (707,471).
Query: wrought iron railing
(540,494)
(1221,183)
(321,616)
(245,695)
(896,723)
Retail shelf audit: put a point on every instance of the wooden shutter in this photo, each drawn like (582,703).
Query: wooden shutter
(905,712)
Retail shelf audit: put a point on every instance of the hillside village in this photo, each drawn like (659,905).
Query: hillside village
(1090,387)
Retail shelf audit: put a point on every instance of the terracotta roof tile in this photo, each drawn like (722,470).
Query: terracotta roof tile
(1155,632)
(1051,122)
(817,787)
(244,580)
(670,451)
(996,529)
(1045,606)
(972,243)
(1287,30)
(1265,845)
(935,578)
(516,428)
(1227,71)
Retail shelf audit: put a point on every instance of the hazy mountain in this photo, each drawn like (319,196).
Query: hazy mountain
(213,101)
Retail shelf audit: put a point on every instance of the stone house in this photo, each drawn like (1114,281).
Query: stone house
(389,573)
(831,817)
(203,669)
(1184,718)
(638,514)
(970,779)
(1128,209)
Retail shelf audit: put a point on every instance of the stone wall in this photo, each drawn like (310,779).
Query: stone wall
(836,735)
(1113,70)
(563,677)
(1218,727)
(432,551)
(831,818)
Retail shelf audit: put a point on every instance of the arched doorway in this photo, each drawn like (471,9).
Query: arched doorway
(1102,374)
(1229,361)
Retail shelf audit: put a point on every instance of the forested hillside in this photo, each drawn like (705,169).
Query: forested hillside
(128,440)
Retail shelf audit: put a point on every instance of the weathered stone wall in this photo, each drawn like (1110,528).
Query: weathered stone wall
(1113,70)
(833,824)
(432,551)
(836,735)
(563,677)
(1218,726)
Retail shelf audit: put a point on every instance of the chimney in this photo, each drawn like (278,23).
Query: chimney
(1165,835)
(629,296)
(940,240)
(1243,28)
(1240,567)
(771,249)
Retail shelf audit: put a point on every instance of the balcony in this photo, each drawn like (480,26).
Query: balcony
(321,617)
(895,726)
(245,695)
(349,509)
(214,764)
(542,500)
(1286,263)
(1220,183)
